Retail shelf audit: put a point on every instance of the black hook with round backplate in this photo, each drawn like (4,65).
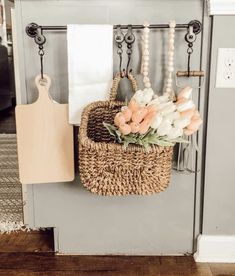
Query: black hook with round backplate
(129,39)
(119,38)
(40,40)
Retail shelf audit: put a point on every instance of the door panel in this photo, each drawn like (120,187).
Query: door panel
(90,224)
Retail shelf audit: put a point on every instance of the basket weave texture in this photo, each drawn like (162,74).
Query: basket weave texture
(106,167)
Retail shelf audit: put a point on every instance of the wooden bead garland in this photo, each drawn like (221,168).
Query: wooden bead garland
(145,55)
(170,61)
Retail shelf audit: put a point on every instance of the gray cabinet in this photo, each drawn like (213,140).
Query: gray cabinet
(164,223)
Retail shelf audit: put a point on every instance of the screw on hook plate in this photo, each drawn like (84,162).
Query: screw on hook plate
(32,29)
(197,26)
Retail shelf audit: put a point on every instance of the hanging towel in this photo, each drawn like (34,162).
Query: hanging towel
(90,66)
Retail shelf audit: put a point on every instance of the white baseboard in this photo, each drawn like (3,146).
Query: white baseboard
(213,248)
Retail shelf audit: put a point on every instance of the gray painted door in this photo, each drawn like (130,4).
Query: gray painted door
(89,224)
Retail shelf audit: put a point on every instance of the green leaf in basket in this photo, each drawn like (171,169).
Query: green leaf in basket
(155,140)
(111,129)
(119,136)
(144,140)
(146,145)
(129,138)
(125,144)
(151,131)
(163,143)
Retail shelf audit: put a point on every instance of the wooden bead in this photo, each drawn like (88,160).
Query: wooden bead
(146,30)
(146,58)
(145,68)
(146,44)
(146,79)
(171,41)
(146,36)
(145,73)
(172,24)
(146,24)
(170,57)
(146,52)
(169,81)
(148,84)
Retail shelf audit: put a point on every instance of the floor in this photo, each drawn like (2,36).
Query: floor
(32,254)
(11,203)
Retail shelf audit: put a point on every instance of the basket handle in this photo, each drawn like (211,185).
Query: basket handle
(116,81)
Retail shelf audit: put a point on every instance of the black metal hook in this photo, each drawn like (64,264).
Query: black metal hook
(40,40)
(190,38)
(119,38)
(129,39)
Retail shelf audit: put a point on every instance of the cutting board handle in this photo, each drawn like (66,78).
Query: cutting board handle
(43,86)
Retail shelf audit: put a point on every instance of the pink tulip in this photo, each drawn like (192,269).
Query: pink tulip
(139,115)
(194,124)
(188,113)
(189,132)
(144,127)
(125,129)
(133,105)
(185,93)
(187,104)
(151,108)
(196,115)
(127,113)
(119,119)
(181,100)
(150,117)
(135,127)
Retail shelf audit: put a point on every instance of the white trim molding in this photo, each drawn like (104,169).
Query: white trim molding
(213,248)
(220,7)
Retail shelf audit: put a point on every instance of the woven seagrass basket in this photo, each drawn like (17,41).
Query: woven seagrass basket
(106,167)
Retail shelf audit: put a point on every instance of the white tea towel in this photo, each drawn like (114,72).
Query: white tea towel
(90,66)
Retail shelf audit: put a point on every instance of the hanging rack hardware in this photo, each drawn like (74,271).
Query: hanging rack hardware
(129,39)
(119,38)
(40,40)
(190,74)
(31,28)
(190,39)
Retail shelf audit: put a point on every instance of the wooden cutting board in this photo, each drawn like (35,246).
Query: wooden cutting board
(44,139)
